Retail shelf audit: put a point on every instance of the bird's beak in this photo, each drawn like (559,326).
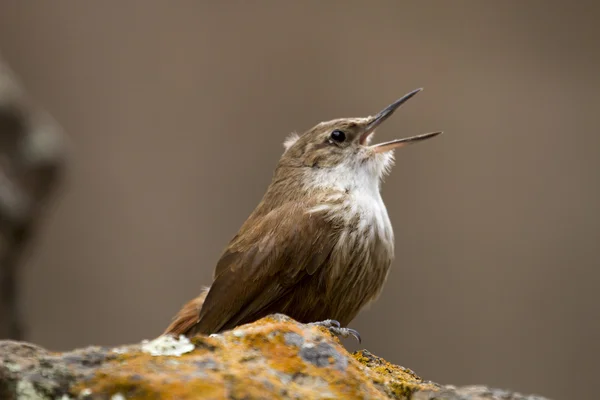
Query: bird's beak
(385,114)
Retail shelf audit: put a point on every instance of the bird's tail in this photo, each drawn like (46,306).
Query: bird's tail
(187,317)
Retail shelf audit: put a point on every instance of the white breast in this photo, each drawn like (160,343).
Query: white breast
(374,215)
(359,188)
(355,193)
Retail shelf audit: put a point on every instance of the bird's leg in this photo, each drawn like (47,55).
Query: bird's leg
(334,327)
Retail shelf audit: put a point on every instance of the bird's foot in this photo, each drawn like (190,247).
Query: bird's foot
(335,328)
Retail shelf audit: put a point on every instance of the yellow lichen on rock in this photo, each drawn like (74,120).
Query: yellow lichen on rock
(274,357)
(398,381)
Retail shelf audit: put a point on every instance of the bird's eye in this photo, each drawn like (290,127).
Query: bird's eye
(338,136)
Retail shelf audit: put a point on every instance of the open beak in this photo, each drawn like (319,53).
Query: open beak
(385,114)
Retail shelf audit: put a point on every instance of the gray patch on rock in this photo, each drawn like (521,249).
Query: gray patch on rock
(321,355)
(293,339)
(73,359)
(284,378)
(207,364)
(473,392)
(92,358)
(281,318)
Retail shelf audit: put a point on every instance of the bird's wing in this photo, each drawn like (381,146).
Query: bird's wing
(262,263)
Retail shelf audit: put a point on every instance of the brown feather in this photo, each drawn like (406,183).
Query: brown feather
(262,265)
(187,317)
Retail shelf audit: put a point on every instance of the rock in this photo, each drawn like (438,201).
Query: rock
(275,357)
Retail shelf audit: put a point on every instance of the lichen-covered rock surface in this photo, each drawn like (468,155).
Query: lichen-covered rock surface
(275,357)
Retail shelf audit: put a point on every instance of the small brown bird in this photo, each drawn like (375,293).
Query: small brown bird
(319,246)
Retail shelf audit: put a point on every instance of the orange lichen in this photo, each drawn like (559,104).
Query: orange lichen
(273,358)
(399,381)
(141,376)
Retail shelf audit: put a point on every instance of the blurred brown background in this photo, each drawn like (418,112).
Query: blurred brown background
(177,113)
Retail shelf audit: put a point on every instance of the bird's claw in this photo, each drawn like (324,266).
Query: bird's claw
(335,328)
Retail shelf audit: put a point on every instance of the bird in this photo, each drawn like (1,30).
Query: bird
(319,246)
